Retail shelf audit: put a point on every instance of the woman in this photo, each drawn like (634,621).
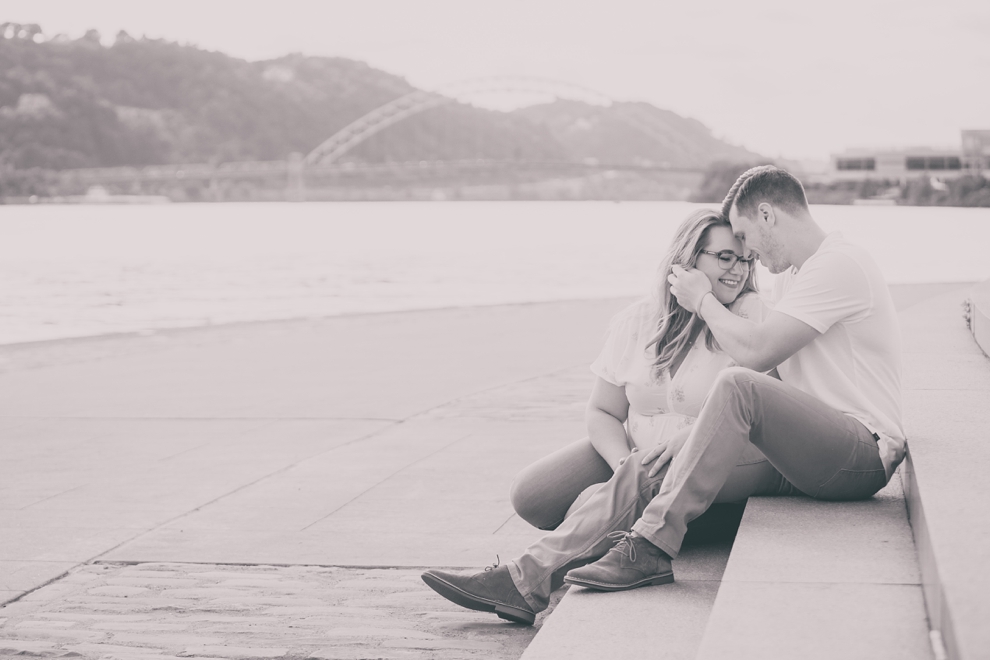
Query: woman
(653,374)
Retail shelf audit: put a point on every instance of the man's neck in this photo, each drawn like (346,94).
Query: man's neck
(806,237)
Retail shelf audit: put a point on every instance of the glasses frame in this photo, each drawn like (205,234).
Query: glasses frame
(736,258)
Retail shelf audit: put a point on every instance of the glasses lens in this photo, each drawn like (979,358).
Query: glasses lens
(727,259)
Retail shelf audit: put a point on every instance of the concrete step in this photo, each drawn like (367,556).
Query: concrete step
(664,623)
(810,579)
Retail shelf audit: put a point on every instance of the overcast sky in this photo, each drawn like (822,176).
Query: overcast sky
(784,78)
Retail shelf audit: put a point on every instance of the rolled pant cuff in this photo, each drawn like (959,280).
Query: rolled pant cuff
(653,538)
(517,579)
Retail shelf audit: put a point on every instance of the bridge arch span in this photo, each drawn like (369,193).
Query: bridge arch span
(393,112)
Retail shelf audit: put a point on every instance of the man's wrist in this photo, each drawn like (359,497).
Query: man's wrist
(701,303)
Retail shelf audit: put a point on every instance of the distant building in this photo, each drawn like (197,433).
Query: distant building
(976,150)
(903,164)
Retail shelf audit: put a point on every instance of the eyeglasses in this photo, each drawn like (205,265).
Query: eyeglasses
(727,259)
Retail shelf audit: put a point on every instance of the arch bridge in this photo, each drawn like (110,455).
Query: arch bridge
(326,157)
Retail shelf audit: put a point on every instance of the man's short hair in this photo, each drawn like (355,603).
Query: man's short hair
(765,183)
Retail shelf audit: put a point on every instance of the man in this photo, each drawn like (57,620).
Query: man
(830,426)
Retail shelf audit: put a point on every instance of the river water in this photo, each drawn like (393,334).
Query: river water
(70,271)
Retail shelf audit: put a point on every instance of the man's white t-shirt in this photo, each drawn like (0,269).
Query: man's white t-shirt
(855,365)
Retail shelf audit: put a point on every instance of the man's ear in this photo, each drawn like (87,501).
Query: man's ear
(765,213)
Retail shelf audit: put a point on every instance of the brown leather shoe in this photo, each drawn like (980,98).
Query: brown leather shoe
(491,590)
(632,562)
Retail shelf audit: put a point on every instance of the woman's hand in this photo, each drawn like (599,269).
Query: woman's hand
(689,286)
(666,450)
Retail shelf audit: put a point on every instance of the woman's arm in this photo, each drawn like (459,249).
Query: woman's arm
(607,409)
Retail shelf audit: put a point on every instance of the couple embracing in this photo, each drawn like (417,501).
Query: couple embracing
(704,395)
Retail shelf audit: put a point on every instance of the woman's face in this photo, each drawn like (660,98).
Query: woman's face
(726,284)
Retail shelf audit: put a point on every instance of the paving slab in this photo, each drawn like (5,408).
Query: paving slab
(20,576)
(379,366)
(383,501)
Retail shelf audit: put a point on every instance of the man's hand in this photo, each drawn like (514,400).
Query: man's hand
(666,450)
(689,286)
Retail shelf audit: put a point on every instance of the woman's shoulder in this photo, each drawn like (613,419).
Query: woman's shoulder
(628,331)
(635,315)
(749,306)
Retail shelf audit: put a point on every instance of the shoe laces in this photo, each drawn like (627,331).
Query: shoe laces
(625,545)
(493,566)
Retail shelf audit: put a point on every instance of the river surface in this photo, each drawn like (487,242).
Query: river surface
(70,271)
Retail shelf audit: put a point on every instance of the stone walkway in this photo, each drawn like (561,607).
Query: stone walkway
(162,611)
(147,467)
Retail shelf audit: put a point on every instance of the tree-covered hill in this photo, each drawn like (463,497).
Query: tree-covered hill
(633,132)
(67,103)
(77,103)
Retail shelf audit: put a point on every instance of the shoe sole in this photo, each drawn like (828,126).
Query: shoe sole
(471,602)
(653,580)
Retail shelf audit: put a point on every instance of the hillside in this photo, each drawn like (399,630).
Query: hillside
(633,132)
(76,103)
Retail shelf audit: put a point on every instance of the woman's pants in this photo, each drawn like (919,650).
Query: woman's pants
(821,451)
(552,488)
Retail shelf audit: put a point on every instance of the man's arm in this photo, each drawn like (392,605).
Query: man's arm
(757,346)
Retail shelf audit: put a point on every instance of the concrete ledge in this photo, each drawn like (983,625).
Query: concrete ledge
(978,308)
(947,392)
(810,579)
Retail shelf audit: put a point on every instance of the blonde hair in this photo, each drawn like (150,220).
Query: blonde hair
(675,325)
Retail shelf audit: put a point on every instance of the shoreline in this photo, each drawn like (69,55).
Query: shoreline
(905,295)
(151,332)
(41,353)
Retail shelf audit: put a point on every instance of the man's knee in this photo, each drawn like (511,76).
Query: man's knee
(738,380)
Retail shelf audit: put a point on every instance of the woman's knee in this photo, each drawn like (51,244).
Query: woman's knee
(633,474)
(532,501)
(542,492)
(522,490)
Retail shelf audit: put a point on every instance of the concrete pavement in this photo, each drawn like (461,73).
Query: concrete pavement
(154,481)
(373,441)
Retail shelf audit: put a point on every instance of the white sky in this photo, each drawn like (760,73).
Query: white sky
(785,78)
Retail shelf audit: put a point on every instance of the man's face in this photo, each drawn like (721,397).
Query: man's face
(758,238)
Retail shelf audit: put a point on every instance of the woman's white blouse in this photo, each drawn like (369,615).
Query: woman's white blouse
(658,407)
